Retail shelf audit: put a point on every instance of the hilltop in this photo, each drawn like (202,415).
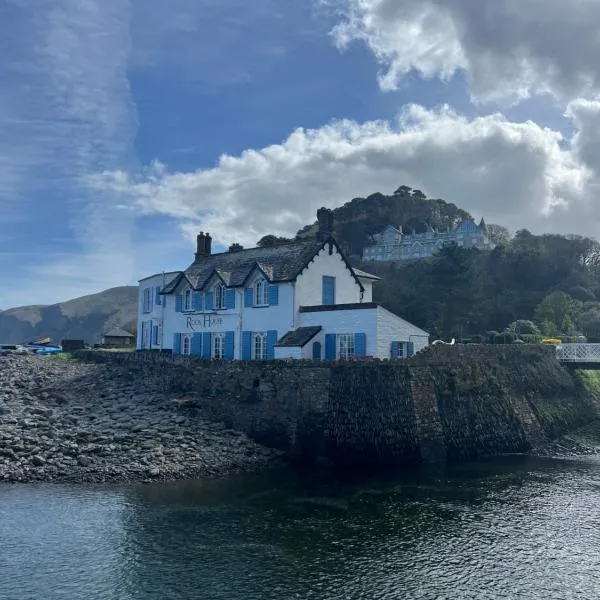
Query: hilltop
(84,318)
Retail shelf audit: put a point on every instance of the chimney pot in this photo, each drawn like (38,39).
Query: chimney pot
(203,245)
(235,247)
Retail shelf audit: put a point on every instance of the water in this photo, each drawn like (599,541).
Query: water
(516,528)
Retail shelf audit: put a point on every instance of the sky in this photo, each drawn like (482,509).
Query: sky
(127,126)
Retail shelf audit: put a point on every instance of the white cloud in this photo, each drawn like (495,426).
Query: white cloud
(509,49)
(516,174)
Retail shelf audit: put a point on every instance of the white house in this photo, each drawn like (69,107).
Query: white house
(296,300)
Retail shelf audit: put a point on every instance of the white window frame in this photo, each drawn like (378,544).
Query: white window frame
(218,346)
(146,334)
(346,348)
(186,345)
(147,297)
(219,295)
(259,346)
(261,293)
(188,300)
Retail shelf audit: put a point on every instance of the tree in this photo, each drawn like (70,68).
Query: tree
(555,312)
(272,240)
(523,326)
(499,235)
(419,195)
(403,190)
(589,323)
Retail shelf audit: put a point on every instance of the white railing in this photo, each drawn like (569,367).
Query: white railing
(583,353)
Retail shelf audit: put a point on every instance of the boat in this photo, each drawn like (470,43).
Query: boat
(43,346)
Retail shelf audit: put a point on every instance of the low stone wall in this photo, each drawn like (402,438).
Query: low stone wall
(445,403)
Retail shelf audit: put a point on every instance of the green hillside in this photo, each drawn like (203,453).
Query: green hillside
(82,318)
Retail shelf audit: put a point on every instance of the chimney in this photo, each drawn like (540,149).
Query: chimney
(235,248)
(325,221)
(203,245)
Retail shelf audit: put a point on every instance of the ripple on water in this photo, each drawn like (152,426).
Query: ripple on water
(503,529)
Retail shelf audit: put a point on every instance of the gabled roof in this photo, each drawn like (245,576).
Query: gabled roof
(365,275)
(280,263)
(467,226)
(299,337)
(118,332)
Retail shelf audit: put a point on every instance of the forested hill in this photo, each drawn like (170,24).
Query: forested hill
(552,280)
(356,221)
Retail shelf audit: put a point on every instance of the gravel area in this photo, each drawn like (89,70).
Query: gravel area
(66,421)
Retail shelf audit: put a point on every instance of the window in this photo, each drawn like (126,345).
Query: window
(155,336)
(147,299)
(187,300)
(260,346)
(219,296)
(146,334)
(186,345)
(345,346)
(328,290)
(218,346)
(261,293)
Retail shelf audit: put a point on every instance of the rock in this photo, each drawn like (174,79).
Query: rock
(154,472)
(37,461)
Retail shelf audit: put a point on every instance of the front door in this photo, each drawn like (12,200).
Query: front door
(317,351)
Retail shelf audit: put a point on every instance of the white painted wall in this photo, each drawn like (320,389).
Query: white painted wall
(368,285)
(287,352)
(279,318)
(392,328)
(157,312)
(309,284)
(344,321)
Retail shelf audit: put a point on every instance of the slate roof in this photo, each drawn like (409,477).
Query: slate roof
(279,263)
(118,332)
(299,337)
(366,275)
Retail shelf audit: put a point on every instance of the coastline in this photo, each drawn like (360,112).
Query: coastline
(70,422)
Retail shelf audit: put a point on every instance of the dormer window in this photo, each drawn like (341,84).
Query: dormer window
(261,293)
(187,300)
(219,295)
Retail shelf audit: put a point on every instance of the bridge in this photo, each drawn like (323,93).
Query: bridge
(580,356)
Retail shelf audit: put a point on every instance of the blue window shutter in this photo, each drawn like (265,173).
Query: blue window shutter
(229,345)
(179,303)
(246,345)
(328,290)
(206,345)
(230,298)
(177,343)
(273,295)
(248,297)
(330,346)
(197,301)
(360,345)
(410,348)
(151,294)
(208,300)
(271,341)
(157,296)
(196,349)
(395,350)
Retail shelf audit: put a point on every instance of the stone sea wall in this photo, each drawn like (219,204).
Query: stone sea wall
(445,403)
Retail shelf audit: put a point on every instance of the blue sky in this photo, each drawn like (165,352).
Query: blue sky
(128,125)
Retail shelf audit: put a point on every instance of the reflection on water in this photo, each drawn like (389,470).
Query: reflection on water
(517,528)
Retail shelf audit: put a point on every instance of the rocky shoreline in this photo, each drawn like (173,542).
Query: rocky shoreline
(67,421)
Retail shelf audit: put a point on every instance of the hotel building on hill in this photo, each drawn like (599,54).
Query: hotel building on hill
(299,300)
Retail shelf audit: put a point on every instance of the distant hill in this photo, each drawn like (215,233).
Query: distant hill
(356,221)
(84,318)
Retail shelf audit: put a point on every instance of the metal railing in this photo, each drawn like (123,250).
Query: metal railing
(582,353)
